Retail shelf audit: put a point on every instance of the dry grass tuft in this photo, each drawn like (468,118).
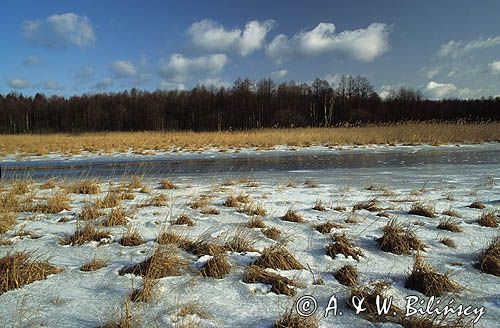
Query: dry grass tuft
(167,184)
(347,275)
(87,187)
(488,219)
(204,246)
(370,293)
(255,222)
(90,212)
(449,225)
(370,206)
(84,234)
(123,320)
(117,216)
(342,245)
(399,239)
(112,199)
(20,187)
(292,216)
(7,221)
(239,243)
(477,204)
(132,237)
(272,233)
(165,261)
(289,319)
(19,269)
(49,184)
(145,292)
(155,200)
(452,213)
(489,259)
(327,227)
(135,182)
(93,265)
(448,242)
(184,219)
(318,206)
(9,202)
(421,209)
(55,203)
(278,257)
(427,280)
(279,284)
(252,209)
(339,208)
(235,201)
(201,202)
(311,183)
(210,210)
(166,237)
(217,267)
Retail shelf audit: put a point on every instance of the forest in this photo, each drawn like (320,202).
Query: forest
(244,105)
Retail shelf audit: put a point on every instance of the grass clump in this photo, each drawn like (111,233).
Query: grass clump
(311,183)
(93,265)
(235,201)
(327,227)
(84,234)
(49,184)
(217,267)
(477,204)
(255,222)
(112,199)
(452,213)
(488,219)
(272,233)
(19,269)
(290,319)
(165,261)
(370,206)
(449,225)
(155,200)
(448,242)
(292,216)
(145,292)
(20,187)
(167,184)
(210,210)
(489,259)
(427,280)
(240,243)
(318,206)
(204,246)
(200,202)
(117,216)
(90,212)
(87,187)
(132,237)
(421,209)
(184,219)
(135,182)
(252,209)
(342,245)
(347,275)
(278,257)
(7,221)
(398,239)
(171,237)
(370,293)
(279,284)
(55,203)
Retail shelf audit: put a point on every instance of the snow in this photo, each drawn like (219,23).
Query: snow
(84,299)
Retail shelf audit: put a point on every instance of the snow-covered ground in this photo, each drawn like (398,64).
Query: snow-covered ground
(74,298)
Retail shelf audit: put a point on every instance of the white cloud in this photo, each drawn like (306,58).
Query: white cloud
(495,66)
(279,74)
(164,85)
(60,31)
(218,83)
(123,69)
(456,49)
(86,73)
(31,60)
(181,69)
(103,84)
(333,79)
(362,44)
(436,90)
(212,36)
(19,84)
(52,85)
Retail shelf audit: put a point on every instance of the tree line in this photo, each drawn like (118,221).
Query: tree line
(244,105)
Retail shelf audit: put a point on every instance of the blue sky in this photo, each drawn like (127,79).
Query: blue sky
(444,48)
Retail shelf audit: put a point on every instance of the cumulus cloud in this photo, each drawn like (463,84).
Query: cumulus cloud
(456,49)
(60,31)
(167,86)
(52,85)
(495,66)
(123,69)
(85,74)
(103,84)
(31,60)
(181,69)
(215,82)
(279,74)
(19,84)
(212,36)
(362,44)
(436,90)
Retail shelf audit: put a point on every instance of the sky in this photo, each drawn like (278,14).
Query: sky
(446,49)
